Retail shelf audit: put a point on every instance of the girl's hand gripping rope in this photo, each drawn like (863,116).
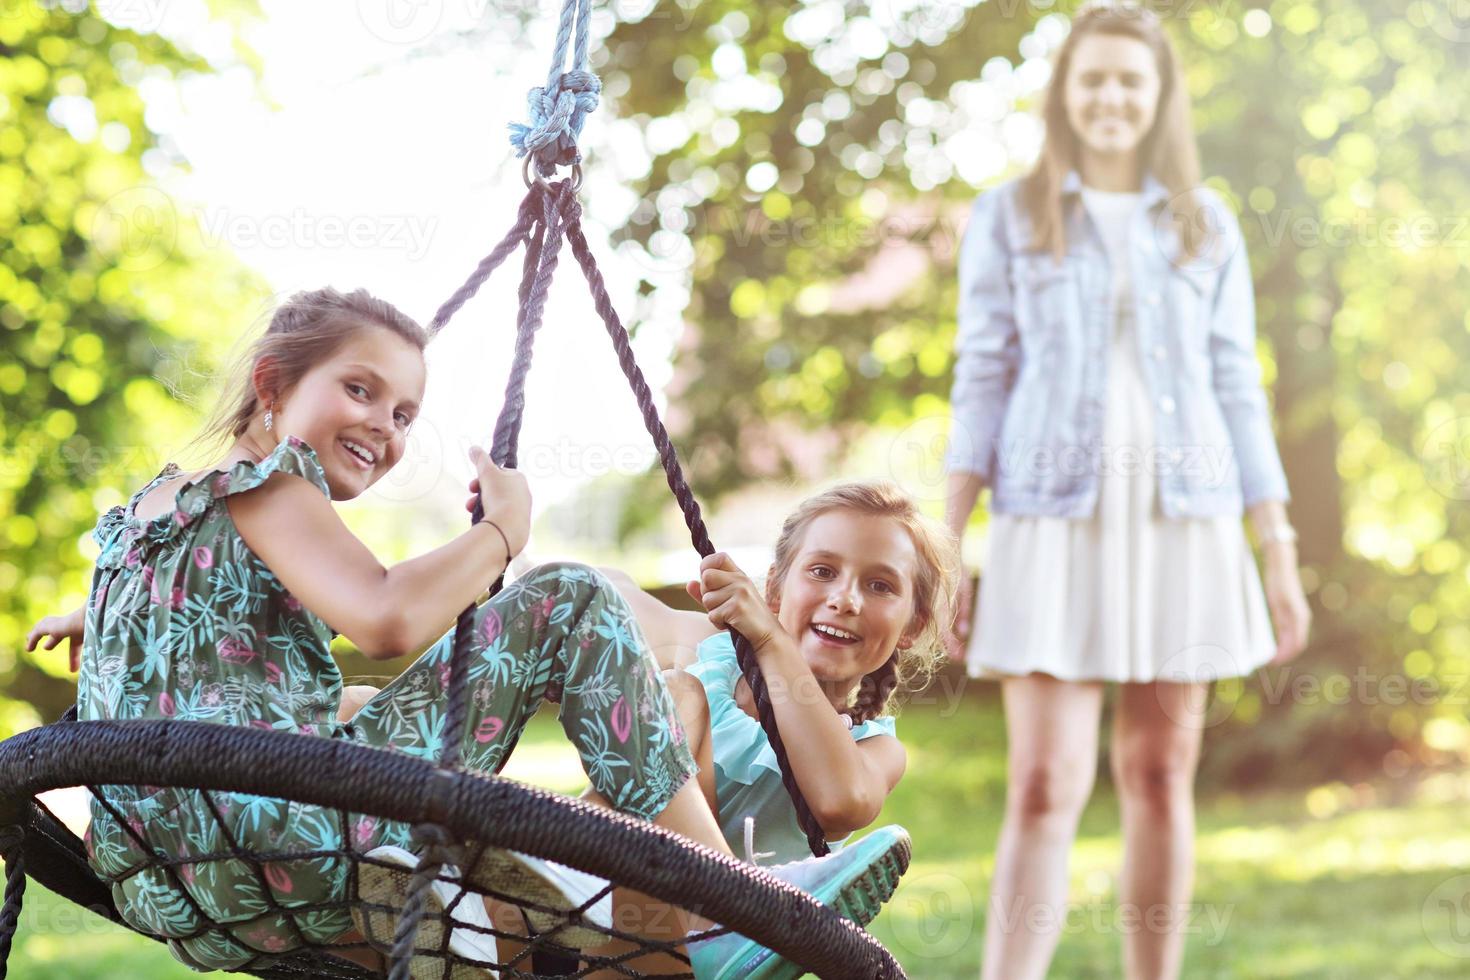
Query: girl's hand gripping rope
(733,600)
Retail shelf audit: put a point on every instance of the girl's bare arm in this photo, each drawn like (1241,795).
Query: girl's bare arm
(845,782)
(386,612)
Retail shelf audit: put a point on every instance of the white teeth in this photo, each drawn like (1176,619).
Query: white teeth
(834,632)
(359,451)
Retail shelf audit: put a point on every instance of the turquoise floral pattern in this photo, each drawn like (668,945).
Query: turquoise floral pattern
(185,621)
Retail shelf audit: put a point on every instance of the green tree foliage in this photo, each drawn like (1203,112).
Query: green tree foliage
(785,159)
(108,300)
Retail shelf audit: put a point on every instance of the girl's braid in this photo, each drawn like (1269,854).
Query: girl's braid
(874,691)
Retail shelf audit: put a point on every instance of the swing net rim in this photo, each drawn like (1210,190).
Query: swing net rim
(365,779)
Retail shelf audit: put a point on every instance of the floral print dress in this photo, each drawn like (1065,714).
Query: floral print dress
(185,621)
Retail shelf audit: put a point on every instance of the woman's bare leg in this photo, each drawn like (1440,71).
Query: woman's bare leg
(1051,731)
(1155,751)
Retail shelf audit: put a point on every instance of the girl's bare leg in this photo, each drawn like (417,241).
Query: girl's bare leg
(692,813)
(354,696)
(1155,751)
(692,810)
(362,956)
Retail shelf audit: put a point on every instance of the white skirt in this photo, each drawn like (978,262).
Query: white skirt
(1127,594)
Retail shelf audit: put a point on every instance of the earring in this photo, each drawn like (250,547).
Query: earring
(268,420)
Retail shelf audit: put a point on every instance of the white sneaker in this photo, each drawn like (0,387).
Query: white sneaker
(383,879)
(550,891)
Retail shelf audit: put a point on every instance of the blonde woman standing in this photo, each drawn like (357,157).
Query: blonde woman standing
(1107,391)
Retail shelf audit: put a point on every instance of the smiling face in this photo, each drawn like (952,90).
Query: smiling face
(355,408)
(853,574)
(1111,93)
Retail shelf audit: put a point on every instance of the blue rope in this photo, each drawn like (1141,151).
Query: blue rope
(559,109)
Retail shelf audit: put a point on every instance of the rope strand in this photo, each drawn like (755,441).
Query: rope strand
(744,654)
(12,850)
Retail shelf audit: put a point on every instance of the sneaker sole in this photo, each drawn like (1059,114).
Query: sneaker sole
(500,873)
(859,899)
(383,886)
(863,899)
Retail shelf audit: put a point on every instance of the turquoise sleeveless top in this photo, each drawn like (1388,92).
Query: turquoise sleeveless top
(747,776)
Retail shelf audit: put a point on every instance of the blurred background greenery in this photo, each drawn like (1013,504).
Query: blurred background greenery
(809,168)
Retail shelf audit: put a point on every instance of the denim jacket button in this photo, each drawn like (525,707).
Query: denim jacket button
(1166,405)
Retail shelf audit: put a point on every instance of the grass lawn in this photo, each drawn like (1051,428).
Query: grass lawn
(1328,884)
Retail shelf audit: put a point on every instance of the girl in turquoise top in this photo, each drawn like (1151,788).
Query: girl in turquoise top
(859,590)
(216,594)
(754,809)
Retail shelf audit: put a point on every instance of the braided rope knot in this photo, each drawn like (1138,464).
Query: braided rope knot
(557,113)
(436,844)
(11,837)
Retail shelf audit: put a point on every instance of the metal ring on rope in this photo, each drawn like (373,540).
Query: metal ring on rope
(533,177)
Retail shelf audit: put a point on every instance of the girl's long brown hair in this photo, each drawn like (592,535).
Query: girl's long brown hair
(1168,151)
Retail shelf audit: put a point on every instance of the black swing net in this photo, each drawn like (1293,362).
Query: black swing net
(457,815)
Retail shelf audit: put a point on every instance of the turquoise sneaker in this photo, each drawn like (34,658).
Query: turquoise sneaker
(854,881)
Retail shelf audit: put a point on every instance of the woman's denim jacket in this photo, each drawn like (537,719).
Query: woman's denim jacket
(1032,358)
